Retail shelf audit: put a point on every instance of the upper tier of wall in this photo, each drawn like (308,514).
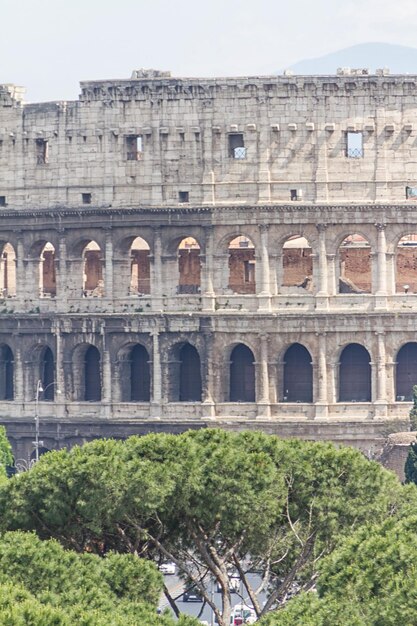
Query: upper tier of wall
(293,130)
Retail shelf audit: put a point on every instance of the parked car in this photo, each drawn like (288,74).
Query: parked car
(168,568)
(192,595)
(242,614)
(234,584)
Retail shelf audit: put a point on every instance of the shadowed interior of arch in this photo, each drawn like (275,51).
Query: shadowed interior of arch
(92,375)
(190,386)
(355,374)
(242,374)
(406,372)
(6,373)
(298,374)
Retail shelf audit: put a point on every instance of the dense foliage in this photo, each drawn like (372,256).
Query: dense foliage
(371,580)
(208,500)
(43,584)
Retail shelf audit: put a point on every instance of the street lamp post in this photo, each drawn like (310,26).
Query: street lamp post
(39,389)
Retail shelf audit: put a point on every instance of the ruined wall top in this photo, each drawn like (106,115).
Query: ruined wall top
(147,83)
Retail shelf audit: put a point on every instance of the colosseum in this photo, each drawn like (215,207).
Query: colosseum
(183,252)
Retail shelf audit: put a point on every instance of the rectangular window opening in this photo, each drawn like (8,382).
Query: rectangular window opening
(134,147)
(86,197)
(2,200)
(354,145)
(183,196)
(237,148)
(249,271)
(41,151)
(293,194)
(411,193)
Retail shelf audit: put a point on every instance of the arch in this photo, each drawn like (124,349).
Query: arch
(297,263)
(406,264)
(140,270)
(42,450)
(6,373)
(189,266)
(93,284)
(47,274)
(406,372)
(355,374)
(355,271)
(139,375)
(47,373)
(242,265)
(298,374)
(92,375)
(242,374)
(190,387)
(8,271)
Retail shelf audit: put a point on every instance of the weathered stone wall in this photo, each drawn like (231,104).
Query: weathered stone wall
(163,159)
(294,131)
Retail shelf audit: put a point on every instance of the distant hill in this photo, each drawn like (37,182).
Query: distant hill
(399,59)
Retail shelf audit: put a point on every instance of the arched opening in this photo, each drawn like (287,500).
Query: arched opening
(190,374)
(42,450)
(242,265)
(140,272)
(242,374)
(355,271)
(47,374)
(189,266)
(355,374)
(92,375)
(298,374)
(406,372)
(8,271)
(140,380)
(297,263)
(6,373)
(47,275)
(406,264)
(93,284)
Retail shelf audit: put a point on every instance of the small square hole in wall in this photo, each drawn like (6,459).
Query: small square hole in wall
(86,198)
(354,145)
(183,196)
(293,194)
(2,200)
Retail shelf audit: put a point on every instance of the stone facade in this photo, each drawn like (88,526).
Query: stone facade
(237,252)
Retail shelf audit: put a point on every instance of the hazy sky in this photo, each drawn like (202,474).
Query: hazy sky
(48,46)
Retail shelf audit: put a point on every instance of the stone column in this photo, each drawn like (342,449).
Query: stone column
(264,303)
(61,281)
(381,291)
(18,374)
(20,271)
(322,293)
(331,273)
(209,409)
(156,272)
(60,391)
(381,395)
(156,401)
(107,380)
(208,296)
(108,266)
(322,400)
(263,404)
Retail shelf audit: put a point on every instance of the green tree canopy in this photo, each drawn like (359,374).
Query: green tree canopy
(370,580)
(210,501)
(44,584)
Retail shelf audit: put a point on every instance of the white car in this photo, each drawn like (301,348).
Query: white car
(242,614)
(168,568)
